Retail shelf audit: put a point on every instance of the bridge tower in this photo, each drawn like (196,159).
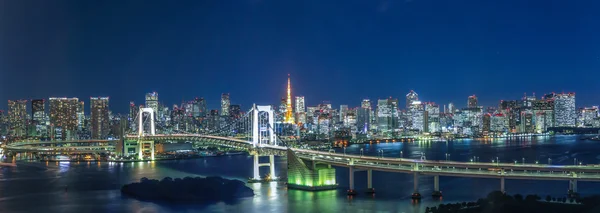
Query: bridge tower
(141,143)
(263,134)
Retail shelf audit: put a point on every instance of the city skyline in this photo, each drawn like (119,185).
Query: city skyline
(394,49)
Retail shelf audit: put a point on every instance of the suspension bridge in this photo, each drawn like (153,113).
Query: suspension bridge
(255,132)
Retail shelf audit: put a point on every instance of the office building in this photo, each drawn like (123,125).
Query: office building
(152,102)
(99,117)
(63,116)
(565,113)
(225,102)
(17,116)
(472,102)
(411,97)
(38,111)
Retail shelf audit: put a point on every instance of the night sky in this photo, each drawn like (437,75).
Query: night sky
(339,51)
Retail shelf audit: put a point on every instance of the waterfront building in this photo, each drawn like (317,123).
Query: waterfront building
(565,114)
(527,123)
(417,116)
(432,118)
(64,116)
(543,112)
(99,117)
(499,123)
(587,116)
(225,102)
(17,116)
(384,117)
(363,119)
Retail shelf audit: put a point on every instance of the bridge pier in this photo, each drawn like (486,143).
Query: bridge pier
(416,194)
(502,185)
(257,165)
(351,190)
(370,188)
(572,187)
(436,187)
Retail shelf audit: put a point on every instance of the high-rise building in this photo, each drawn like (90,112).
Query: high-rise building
(63,116)
(432,118)
(411,97)
(38,110)
(384,117)
(343,112)
(99,117)
(235,111)
(17,116)
(300,106)
(152,102)
(487,123)
(565,113)
(289,111)
(225,102)
(81,115)
(588,116)
(366,103)
(472,103)
(499,123)
(451,108)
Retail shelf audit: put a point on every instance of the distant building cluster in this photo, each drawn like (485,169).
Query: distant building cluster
(62,118)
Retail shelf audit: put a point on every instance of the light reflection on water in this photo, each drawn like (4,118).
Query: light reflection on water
(82,187)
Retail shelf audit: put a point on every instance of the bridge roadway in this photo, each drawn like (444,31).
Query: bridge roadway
(403,165)
(78,146)
(453,168)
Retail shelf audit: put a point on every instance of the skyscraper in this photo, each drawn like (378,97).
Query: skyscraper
(472,103)
(289,111)
(565,113)
(225,102)
(384,116)
(38,110)
(63,116)
(411,97)
(300,104)
(17,115)
(343,112)
(152,102)
(99,117)
(81,115)
(235,111)
(366,103)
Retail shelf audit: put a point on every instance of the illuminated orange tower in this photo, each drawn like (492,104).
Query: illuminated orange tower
(289,112)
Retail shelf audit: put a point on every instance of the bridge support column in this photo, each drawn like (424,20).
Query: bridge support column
(256,165)
(370,188)
(436,187)
(351,190)
(502,185)
(272,167)
(416,182)
(572,187)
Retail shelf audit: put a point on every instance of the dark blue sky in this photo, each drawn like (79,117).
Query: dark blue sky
(341,51)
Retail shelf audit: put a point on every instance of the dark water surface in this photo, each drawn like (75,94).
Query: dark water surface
(95,187)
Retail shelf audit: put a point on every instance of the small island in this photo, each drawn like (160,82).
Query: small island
(188,190)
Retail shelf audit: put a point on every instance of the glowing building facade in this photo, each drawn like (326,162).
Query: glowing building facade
(63,116)
(99,117)
(565,113)
(225,102)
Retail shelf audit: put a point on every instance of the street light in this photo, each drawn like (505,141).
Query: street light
(447,156)
(497,162)
(361,152)
(523,160)
(381,150)
(401,154)
(575,162)
(344,151)
(549,161)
